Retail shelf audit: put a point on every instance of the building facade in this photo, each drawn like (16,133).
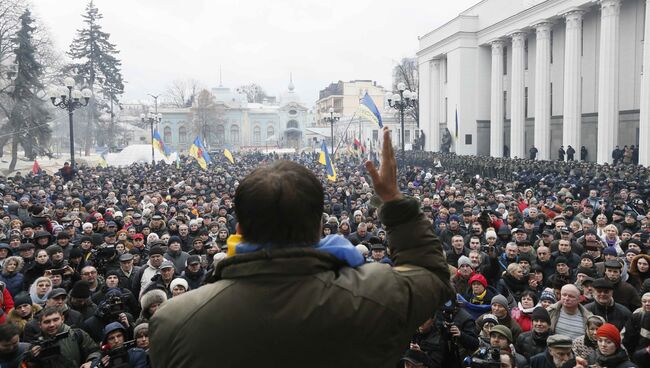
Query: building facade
(544,73)
(236,124)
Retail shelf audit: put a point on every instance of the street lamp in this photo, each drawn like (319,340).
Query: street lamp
(402,101)
(334,117)
(151,118)
(70,99)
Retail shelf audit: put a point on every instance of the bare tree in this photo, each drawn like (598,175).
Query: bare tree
(254,92)
(406,71)
(206,113)
(182,93)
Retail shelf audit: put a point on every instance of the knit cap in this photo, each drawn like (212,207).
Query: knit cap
(80,290)
(464,260)
(478,278)
(500,299)
(540,314)
(609,331)
(549,295)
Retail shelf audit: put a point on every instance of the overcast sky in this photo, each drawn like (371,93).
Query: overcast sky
(254,40)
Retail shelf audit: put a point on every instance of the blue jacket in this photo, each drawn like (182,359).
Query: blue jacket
(14,283)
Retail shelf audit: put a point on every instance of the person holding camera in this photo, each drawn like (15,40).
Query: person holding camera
(112,309)
(11,349)
(118,353)
(59,346)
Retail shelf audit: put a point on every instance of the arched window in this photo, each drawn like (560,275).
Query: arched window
(292,124)
(234,134)
(257,135)
(221,134)
(167,135)
(182,135)
(270,132)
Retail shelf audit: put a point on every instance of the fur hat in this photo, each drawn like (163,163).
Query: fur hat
(155,296)
(179,281)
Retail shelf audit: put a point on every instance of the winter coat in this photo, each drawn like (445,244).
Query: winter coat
(292,291)
(619,359)
(506,321)
(637,336)
(446,351)
(626,295)
(509,286)
(545,360)
(76,349)
(555,309)
(34,271)
(531,343)
(522,316)
(14,281)
(131,303)
(584,348)
(17,320)
(194,280)
(71,317)
(178,259)
(615,313)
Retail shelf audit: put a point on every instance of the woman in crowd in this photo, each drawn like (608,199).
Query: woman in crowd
(40,290)
(639,270)
(585,345)
(610,354)
(522,312)
(37,268)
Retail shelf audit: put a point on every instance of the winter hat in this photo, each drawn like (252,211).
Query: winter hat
(174,239)
(155,296)
(220,257)
(586,271)
(22,298)
(156,249)
(561,259)
(480,279)
(112,327)
(490,234)
(362,249)
(464,260)
(80,290)
(179,281)
(609,331)
(76,253)
(53,249)
(610,250)
(500,299)
(540,314)
(142,327)
(503,331)
(489,317)
(549,295)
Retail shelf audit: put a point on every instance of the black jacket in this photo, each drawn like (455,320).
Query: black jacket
(446,350)
(615,314)
(531,343)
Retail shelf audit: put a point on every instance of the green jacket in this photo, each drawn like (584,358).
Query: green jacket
(76,349)
(301,307)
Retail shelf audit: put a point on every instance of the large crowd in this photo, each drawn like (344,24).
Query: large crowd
(550,260)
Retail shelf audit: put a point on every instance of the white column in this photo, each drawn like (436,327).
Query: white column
(572,81)
(496,101)
(517,117)
(608,80)
(434,135)
(644,121)
(543,90)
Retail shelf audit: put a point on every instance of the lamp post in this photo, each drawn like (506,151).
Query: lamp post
(151,118)
(334,117)
(402,101)
(70,99)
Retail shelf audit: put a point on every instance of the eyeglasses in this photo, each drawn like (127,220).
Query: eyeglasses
(88,273)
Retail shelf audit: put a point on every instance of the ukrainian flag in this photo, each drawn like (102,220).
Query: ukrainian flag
(102,160)
(326,160)
(160,145)
(369,110)
(199,153)
(228,154)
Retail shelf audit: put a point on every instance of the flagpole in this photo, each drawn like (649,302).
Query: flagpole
(346,130)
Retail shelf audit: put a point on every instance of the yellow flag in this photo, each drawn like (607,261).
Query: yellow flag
(228,155)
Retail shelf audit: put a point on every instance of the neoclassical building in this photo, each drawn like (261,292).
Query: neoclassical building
(547,73)
(238,124)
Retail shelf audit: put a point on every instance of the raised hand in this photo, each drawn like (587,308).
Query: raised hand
(384,180)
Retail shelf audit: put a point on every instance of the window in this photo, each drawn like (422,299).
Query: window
(257,135)
(407,136)
(505,104)
(468,139)
(221,134)
(525,102)
(182,135)
(270,132)
(234,134)
(293,112)
(375,135)
(526,54)
(167,135)
(292,124)
(505,60)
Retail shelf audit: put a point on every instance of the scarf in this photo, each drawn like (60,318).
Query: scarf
(478,299)
(336,245)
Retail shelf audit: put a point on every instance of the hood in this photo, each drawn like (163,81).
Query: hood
(19,266)
(113,326)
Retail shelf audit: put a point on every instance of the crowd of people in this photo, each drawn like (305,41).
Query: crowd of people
(549,261)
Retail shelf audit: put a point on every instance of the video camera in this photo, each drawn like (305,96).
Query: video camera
(50,348)
(119,357)
(112,307)
(101,256)
(483,358)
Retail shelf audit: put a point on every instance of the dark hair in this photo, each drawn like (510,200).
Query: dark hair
(48,311)
(8,331)
(280,204)
(530,294)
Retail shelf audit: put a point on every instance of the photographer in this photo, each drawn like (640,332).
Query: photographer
(59,345)
(112,309)
(116,353)
(11,349)
(451,338)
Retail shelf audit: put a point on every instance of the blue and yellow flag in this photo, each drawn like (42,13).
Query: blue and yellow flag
(326,160)
(160,145)
(200,154)
(102,160)
(369,110)
(178,160)
(226,152)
